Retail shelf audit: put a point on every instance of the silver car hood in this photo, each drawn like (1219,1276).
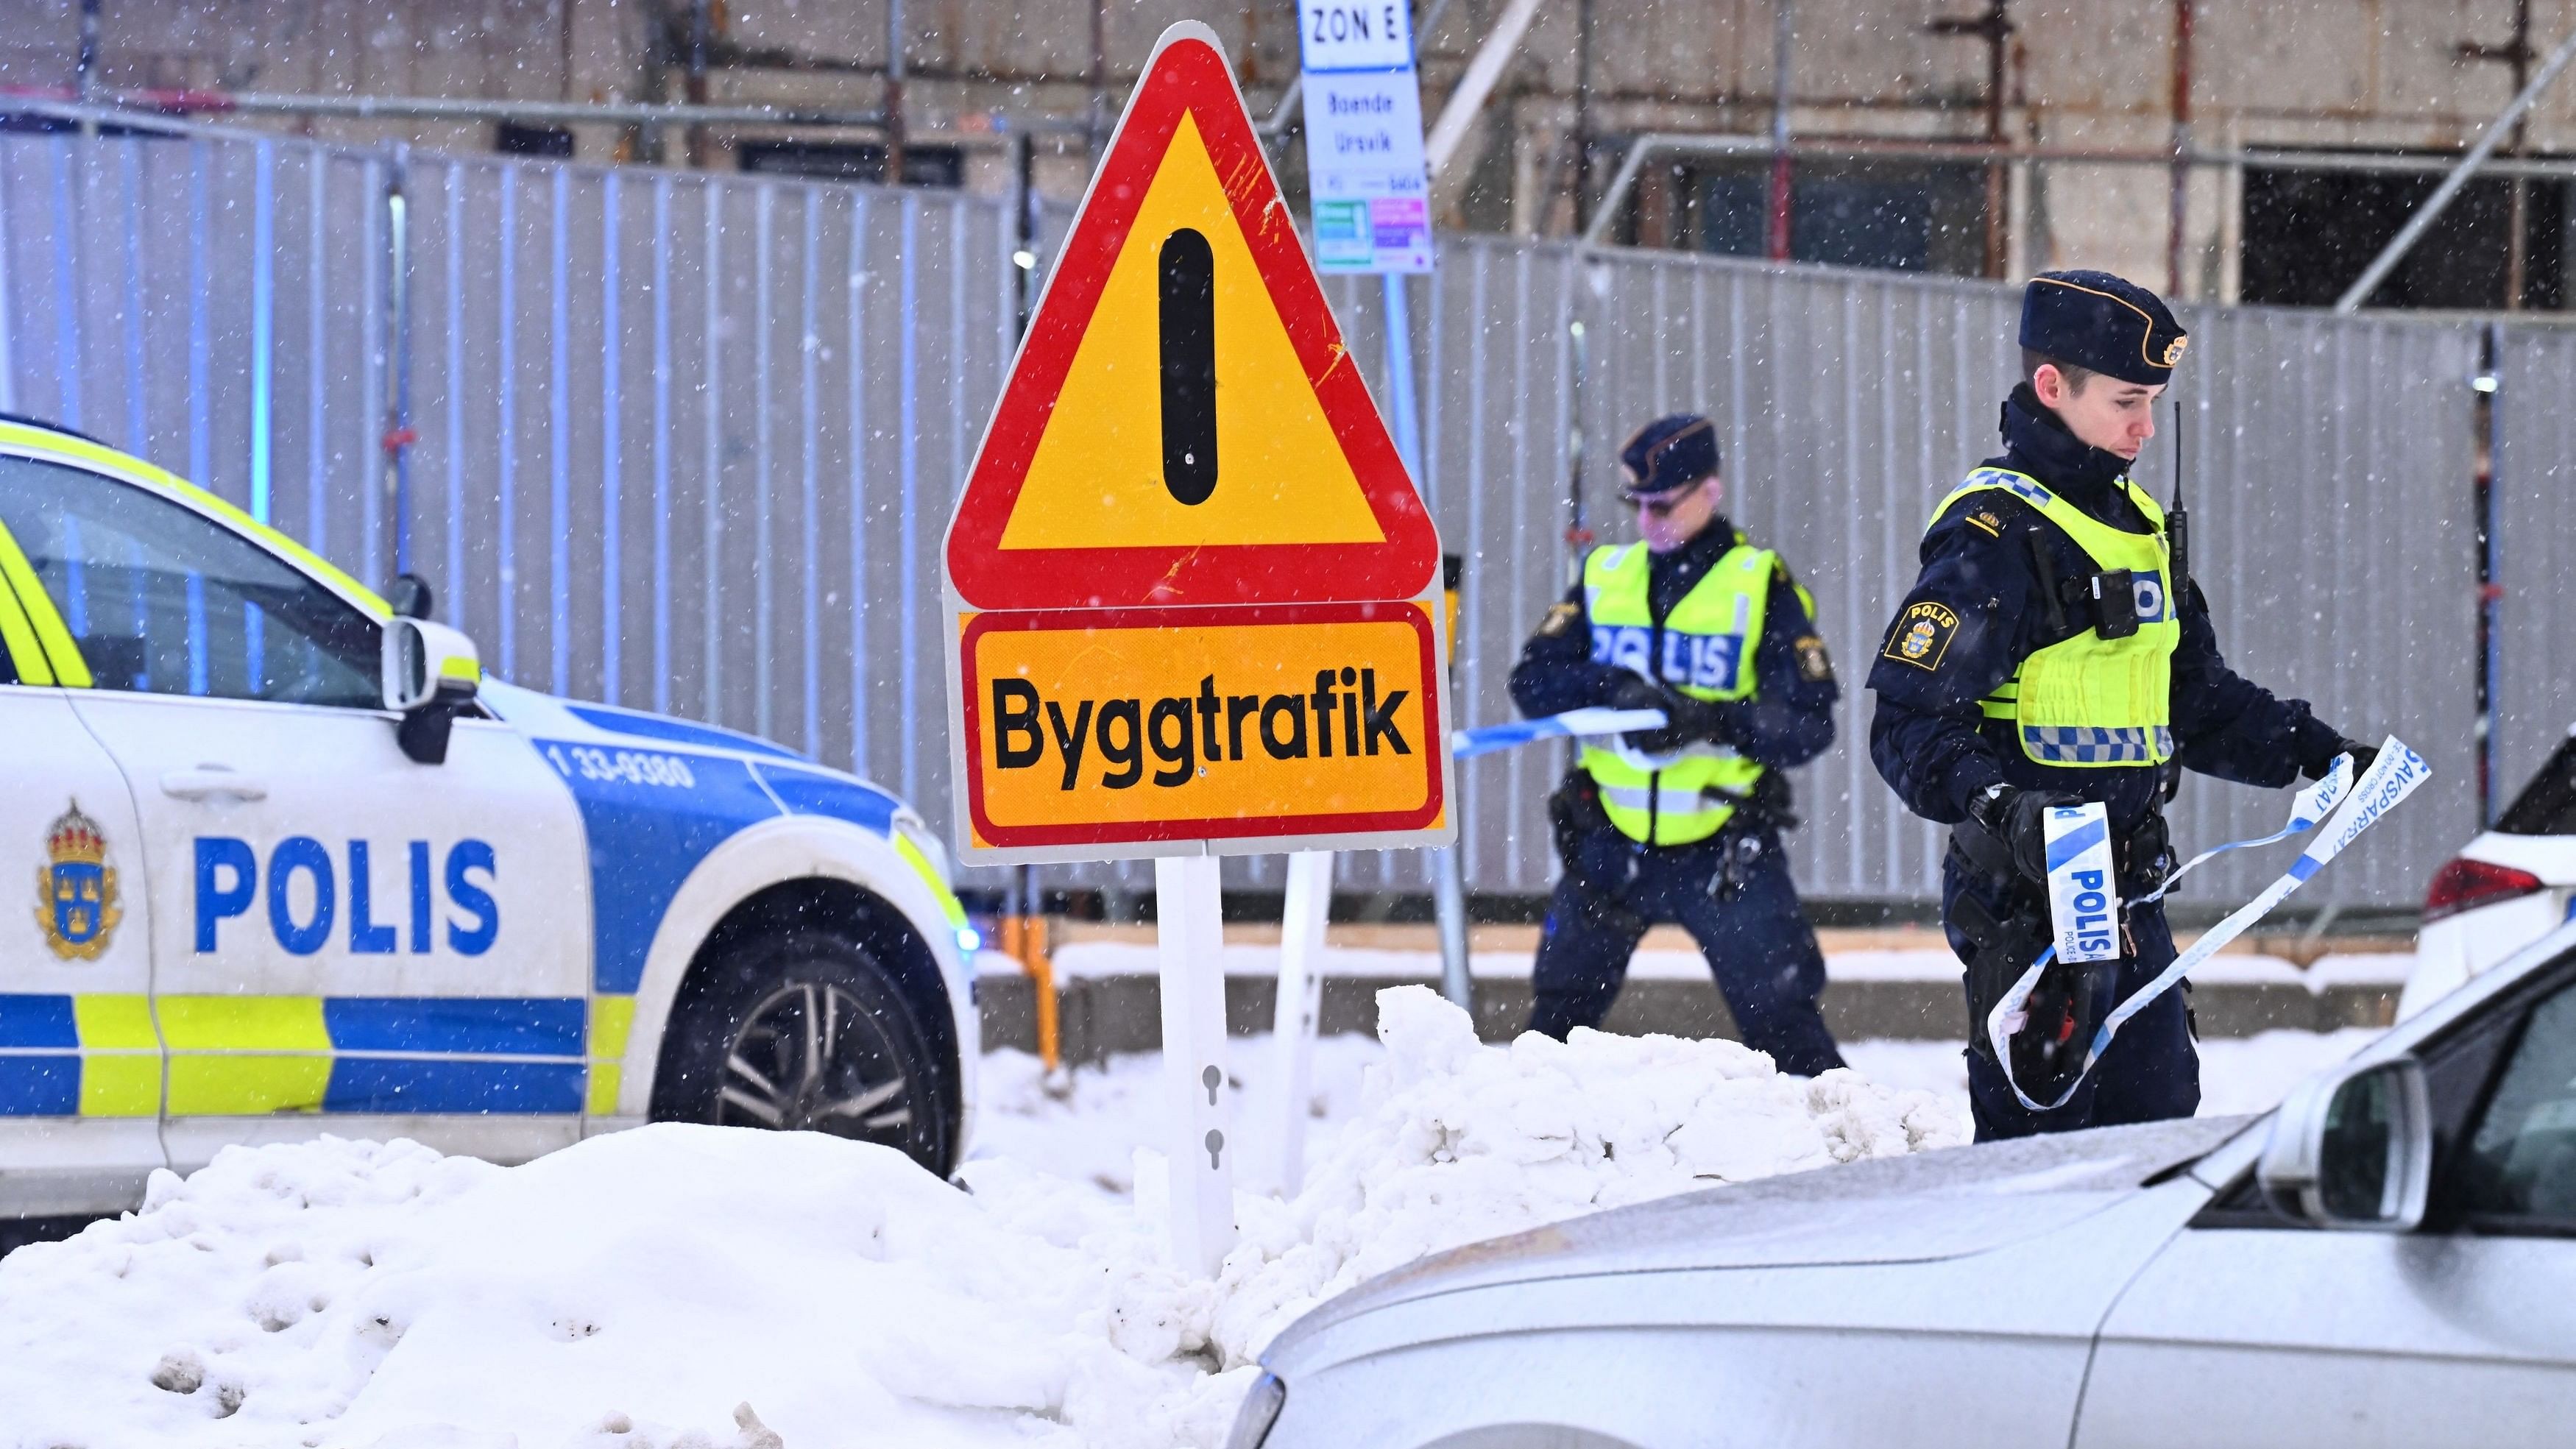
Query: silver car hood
(1917,1208)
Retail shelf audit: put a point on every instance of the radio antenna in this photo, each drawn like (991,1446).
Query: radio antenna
(2177,520)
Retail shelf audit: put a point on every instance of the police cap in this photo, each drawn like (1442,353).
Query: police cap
(2103,324)
(1670,453)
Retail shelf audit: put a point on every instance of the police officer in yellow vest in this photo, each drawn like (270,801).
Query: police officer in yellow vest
(1683,823)
(2053,651)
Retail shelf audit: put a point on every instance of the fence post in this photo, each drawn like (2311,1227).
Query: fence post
(396,343)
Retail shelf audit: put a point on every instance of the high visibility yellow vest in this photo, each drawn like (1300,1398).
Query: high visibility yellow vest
(2090,702)
(1707,653)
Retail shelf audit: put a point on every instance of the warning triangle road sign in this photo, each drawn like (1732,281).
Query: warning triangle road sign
(1184,424)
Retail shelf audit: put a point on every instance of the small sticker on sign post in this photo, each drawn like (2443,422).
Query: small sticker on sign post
(2083,888)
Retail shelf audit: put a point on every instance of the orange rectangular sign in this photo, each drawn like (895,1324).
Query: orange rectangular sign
(1087,728)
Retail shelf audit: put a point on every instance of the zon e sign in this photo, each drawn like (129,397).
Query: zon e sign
(2083,888)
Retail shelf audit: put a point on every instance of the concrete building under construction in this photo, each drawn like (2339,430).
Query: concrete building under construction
(2242,150)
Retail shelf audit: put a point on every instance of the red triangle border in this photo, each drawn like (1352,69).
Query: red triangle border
(1187,75)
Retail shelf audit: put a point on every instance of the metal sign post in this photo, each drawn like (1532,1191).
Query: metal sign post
(1301,998)
(1190,942)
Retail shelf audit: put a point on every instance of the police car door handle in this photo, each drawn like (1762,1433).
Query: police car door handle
(208,781)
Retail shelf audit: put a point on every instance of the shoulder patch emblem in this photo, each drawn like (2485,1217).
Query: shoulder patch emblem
(76,900)
(1814,665)
(1993,526)
(1560,617)
(1921,635)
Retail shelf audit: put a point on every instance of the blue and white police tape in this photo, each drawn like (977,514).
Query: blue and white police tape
(2392,777)
(2083,888)
(1574,723)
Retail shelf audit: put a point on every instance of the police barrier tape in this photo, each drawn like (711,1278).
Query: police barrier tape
(2396,774)
(1467,744)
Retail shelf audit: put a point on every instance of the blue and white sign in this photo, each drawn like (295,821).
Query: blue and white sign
(1364,166)
(2083,891)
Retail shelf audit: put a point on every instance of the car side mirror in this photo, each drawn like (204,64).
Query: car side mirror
(2353,1149)
(410,597)
(431,673)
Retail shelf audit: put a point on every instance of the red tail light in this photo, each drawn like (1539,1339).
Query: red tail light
(2466,884)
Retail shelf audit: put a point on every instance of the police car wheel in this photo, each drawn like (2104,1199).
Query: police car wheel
(802,1031)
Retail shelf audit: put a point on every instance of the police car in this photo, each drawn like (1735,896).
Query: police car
(291,864)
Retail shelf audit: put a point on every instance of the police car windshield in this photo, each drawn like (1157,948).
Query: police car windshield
(162,600)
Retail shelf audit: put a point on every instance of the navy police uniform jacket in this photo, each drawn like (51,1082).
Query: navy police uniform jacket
(1789,719)
(1934,745)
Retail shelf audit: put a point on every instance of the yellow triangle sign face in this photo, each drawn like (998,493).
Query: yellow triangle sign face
(1097,479)
(1184,424)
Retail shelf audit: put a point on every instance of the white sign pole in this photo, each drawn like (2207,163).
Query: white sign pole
(1191,938)
(1301,999)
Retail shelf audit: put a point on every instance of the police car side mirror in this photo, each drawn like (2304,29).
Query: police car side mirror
(2353,1149)
(409,597)
(431,673)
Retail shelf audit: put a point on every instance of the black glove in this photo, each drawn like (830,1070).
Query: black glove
(2016,818)
(2361,754)
(1685,719)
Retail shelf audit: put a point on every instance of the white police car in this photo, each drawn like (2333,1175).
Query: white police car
(290,866)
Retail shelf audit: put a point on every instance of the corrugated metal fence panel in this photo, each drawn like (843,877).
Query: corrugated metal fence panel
(1498,358)
(2328,479)
(690,443)
(2535,502)
(1848,405)
(1851,403)
(213,305)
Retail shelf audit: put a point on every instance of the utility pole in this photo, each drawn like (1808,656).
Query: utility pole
(1096,129)
(2180,201)
(1784,33)
(2517,243)
(1995,28)
(1582,116)
(85,73)
(894,93)
(702,38)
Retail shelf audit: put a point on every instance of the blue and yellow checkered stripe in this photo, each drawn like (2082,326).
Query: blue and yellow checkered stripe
(98,1055)
(2097,745)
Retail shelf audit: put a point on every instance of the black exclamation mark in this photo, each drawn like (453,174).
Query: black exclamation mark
(1189,366)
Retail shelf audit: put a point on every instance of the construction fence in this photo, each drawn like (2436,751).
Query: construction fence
(688,442)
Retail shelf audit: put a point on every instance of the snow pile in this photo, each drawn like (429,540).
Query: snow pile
(1473,1141)
(717,1289)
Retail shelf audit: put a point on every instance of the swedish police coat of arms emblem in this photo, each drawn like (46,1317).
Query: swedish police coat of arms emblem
(76,901)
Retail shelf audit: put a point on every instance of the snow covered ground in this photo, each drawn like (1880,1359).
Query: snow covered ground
(682,1286)
(1087,1127)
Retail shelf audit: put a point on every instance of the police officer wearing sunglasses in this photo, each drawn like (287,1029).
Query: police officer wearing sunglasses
(1683,823)
(2055,649)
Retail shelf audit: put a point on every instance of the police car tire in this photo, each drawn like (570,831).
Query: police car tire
(737,1003)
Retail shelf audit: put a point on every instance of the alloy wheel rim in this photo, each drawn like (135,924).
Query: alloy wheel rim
(809,1057)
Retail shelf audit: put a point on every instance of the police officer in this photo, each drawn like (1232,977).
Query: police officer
(1683,823)
(2053,651)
